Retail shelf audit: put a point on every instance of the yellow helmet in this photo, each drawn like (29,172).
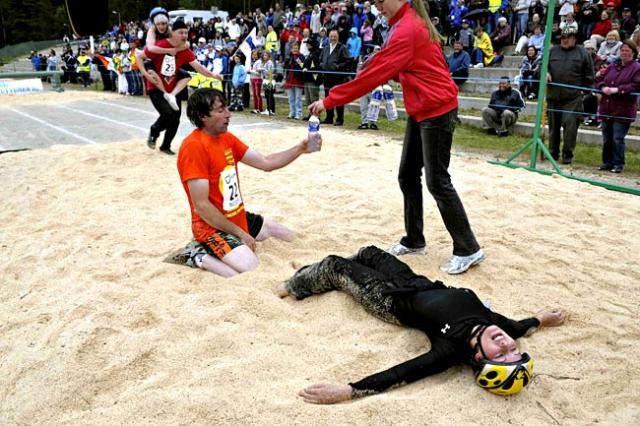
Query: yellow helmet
(504,378)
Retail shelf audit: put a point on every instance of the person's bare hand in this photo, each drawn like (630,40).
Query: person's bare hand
(304,145)
(549,79)
(172,51)
(282,291)
(249,241)
(326,393)
(551,318)
(316,108)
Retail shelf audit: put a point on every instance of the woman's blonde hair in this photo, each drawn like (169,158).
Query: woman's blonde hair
(421,11)
(615,34)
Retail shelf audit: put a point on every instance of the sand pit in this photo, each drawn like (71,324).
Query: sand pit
(95,329)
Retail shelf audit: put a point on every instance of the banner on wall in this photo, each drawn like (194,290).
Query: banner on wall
(8,87)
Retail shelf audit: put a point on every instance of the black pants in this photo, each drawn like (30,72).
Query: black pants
(427,144)
(460,77)
(367,277)
(168,121)
(246,96)
(339,110)
(271,102)
(106,80)
(568,122)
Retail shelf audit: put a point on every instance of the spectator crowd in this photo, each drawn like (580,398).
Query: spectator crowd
(319,45)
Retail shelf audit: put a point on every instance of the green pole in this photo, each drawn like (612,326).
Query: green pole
(537,128)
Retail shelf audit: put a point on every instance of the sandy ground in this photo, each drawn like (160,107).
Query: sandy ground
(95,329)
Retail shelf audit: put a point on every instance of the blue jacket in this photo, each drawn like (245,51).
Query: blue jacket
(459,61)
(354,44)
(239,75)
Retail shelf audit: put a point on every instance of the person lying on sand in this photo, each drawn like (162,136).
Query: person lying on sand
(207,164)
(460,327)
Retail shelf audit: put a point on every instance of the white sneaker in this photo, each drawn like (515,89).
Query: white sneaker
(171,100)
(460,264)
(265,112)
(399,250)
(479,65)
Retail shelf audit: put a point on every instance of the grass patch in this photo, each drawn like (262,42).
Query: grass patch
(471,139)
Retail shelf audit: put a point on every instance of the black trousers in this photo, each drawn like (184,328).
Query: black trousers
(168,121)
(367,277)
(427,144)
(567,122)
(339,110)
(268,95)
(106,80)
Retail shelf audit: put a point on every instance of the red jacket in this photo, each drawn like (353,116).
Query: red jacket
(410,57)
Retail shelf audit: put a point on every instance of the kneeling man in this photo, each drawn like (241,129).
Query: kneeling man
(502,113)
(207,163)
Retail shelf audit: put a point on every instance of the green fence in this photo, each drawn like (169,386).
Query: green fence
(23,49)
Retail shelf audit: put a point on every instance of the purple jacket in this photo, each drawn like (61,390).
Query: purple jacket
(622,105)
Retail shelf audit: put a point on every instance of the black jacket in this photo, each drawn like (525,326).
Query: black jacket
(509,99)
(339,60)
(312,62)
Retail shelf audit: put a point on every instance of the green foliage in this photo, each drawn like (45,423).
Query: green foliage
(32,20)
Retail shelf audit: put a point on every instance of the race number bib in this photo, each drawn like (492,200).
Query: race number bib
(229,188)
(168,66)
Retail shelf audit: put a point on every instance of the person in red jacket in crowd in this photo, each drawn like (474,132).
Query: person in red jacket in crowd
(601,29)
(412,55)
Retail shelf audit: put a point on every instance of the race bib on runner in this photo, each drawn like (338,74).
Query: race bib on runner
(168,66)
(231,198)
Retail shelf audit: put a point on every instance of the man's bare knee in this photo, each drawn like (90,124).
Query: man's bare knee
(248,264)
(242,259)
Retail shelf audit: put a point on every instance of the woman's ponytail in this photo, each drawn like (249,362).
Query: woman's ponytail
(421,11)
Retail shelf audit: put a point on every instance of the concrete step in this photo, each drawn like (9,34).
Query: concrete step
(478,87)
(511,61)
(586,137)
(468,102)
(493,73)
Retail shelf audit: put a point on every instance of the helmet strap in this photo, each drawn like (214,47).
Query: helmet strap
(477,333)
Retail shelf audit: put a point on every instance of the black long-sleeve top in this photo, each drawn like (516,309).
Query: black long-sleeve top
(447,316)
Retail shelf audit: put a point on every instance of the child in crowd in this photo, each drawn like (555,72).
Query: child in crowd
(256,81)
(238,80)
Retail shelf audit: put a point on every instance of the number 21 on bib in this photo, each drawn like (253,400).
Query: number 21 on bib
(231,198)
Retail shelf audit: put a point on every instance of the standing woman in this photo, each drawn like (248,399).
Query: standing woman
(294,84)
(256,81)
(617,107)
(412,55)
(268,83)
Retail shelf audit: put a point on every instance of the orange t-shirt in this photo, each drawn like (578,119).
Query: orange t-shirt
(202,156)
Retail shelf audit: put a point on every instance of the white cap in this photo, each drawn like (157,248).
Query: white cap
(202,40)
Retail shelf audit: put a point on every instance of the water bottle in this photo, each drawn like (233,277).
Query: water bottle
(313,143)
(374,105)
(389,103)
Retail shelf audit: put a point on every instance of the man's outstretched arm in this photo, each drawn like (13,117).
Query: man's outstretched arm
(277,160)
(441,356)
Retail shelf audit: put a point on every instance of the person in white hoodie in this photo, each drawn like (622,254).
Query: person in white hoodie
(566,7)
(315,23)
